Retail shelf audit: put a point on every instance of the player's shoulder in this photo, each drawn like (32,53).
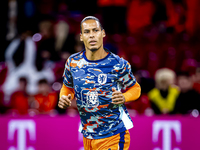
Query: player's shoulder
(119,60)
(76,56)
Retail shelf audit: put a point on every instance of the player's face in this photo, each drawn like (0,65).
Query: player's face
(92,35)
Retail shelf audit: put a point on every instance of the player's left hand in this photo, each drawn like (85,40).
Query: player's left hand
(117,97)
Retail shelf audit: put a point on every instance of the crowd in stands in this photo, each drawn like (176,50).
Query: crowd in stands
(159,38)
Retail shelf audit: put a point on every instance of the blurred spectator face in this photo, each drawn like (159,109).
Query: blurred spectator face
(163,84)
(45,54)
(164,77)
(185,83)
(46,29)
(43,88)
(22,84)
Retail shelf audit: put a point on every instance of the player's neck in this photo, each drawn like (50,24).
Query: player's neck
(96,55)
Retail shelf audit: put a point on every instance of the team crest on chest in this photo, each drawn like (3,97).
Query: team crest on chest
(102,78)
(92,99)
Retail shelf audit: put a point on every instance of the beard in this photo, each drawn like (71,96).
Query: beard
(94,49)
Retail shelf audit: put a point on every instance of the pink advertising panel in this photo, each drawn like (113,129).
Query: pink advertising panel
(61,133)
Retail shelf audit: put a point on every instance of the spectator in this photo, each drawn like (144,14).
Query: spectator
(188,98)
(164,95)
(20,57)
(19,99)
(45,100)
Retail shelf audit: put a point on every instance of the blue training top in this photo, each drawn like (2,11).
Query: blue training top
(92,82)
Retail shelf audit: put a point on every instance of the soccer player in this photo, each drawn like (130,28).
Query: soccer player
(96,76)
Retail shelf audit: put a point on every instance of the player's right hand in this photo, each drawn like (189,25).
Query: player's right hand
(65,101)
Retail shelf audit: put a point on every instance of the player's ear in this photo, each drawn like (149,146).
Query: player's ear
(81,39)
(104,33)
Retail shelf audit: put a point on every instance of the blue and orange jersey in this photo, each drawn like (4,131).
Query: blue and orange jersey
(92,82)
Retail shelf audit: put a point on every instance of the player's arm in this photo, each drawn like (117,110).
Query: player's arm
(66,96)
(127,79)
(133,93)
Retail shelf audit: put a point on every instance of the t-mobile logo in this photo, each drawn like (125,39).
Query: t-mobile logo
(166,127)
(21,126)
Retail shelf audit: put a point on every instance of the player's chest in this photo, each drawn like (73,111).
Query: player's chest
(100,75)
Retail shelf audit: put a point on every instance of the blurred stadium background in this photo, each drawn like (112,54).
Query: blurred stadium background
(160,39)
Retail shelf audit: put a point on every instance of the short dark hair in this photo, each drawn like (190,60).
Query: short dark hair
(183,73)
(43,81)
(90,18)
(23,79)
